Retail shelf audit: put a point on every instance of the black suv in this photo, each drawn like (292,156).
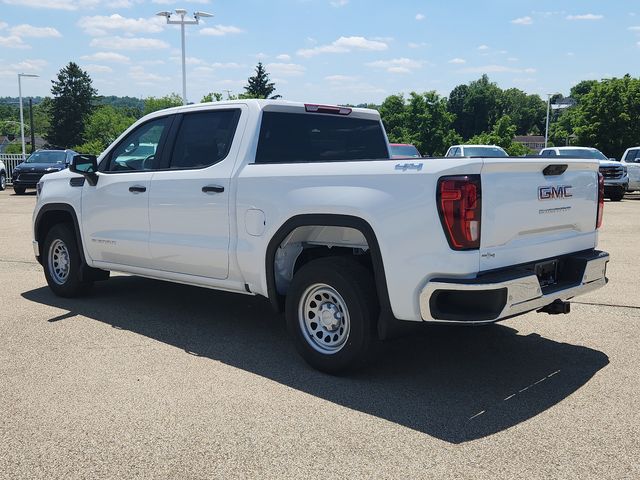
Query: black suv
(28,173)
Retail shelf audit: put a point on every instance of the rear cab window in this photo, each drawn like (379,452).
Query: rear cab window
(292,137)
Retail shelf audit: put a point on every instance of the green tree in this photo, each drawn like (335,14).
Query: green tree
(608,116)
(212,97)
(103,127)
(259,86)
(153,104)
(476,107)
(71,106)
(527,112)
(422,120)
(502,135)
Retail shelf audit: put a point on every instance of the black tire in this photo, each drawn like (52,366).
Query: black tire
(3,181)
(19,190)
(357,292)
(68,285)
(616,197)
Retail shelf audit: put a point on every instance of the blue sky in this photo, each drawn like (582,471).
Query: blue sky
(330,51)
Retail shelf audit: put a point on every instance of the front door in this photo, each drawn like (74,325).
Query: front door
(115,211)
(189,198)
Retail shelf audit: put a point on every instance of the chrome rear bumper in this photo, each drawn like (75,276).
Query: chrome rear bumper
(509,292)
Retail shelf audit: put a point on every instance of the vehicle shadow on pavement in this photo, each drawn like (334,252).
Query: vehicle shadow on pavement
(456,384)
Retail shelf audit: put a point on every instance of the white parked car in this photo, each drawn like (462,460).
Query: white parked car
(631,160)
(3,176)
(615,174)
(476,151)
(302,204)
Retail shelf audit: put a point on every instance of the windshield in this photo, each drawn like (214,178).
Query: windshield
(633,156)
(47,157)
(484,152)
(578,152)
(404,151)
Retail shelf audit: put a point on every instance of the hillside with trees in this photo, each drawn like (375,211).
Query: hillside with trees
(605,114)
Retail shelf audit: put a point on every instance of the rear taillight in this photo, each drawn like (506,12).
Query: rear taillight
(600,200)
(460,209)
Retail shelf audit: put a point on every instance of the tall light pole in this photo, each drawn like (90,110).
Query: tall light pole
(182,22)
(546,130)
(20,75)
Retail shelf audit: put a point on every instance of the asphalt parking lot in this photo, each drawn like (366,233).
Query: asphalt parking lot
(144,379)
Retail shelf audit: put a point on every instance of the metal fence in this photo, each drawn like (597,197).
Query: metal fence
(10,161)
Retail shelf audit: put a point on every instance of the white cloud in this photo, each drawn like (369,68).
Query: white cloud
(140,75)
(13,41)
(420,17)
(512,59)
(586,16)
(106,57)
(497,69)
(522,21)
(120,4)
(344,45)
(128,43)
(3,25)
(54,4)
(285,69)
(458,61)
(284,57)
(29,65)
(340,78)
(220,30)
(417,45)
(26,30)
(227,65)
(483,47)
(93,68)
(635,28)
(339,3)
(103,25)
(188,60)
(171,2)
(397,65)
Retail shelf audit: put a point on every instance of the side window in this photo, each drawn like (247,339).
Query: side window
(457,152)
(204,138)
(311,137)
(139,150)
(549,153)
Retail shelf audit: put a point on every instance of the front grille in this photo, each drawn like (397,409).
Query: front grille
(612,172)
(29,177)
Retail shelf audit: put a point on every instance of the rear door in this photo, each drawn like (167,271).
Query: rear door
(536,208)
(189,198)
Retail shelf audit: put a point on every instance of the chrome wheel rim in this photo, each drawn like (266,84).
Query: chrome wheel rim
(324,318)
(59,261)
(3,182)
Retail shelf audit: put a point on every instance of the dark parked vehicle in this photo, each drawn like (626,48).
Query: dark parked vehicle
(28,173)
(404,150)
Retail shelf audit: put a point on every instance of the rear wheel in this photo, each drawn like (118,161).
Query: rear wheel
(3,181)
(62,262)
(331,311)
(19,190)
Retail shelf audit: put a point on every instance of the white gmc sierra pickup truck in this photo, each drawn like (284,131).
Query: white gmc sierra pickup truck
(302,204)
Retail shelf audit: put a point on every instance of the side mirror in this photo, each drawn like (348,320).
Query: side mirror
(87,166)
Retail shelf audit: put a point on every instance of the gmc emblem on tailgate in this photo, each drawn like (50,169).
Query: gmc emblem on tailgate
(553,192)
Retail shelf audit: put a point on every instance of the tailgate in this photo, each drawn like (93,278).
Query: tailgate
(527,215)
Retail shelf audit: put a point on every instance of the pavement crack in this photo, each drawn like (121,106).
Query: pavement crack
(29,262)
(606,305)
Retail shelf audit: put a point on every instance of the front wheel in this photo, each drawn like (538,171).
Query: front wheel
(331,312)
(19,190)
(3,181)
(617,196)
(62,262)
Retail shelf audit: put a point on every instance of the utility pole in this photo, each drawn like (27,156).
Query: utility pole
(33,135)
